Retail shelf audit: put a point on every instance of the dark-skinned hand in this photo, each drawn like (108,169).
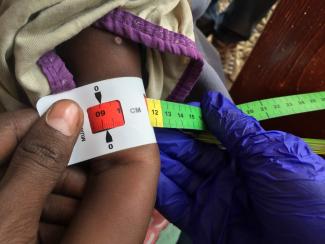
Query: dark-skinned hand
(38,194)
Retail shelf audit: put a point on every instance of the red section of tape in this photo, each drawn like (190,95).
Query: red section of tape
(105,116)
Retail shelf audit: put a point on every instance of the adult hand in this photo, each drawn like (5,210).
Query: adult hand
(37,166)
(267,188)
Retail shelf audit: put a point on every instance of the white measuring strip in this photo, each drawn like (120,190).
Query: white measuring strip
(123,97)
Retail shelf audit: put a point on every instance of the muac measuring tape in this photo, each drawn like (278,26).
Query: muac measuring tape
(118,116)
(165,114)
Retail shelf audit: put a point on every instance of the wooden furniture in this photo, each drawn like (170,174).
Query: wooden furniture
(289,58)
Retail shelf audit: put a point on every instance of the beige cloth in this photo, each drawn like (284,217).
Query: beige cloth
(30,28)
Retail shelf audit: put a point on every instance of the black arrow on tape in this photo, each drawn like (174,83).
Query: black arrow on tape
(109,138)
(98,96)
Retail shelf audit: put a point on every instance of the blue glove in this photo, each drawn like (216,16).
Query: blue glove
(268,187)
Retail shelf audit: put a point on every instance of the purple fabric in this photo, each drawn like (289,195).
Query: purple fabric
(59,77)
(141,31)
(187,81)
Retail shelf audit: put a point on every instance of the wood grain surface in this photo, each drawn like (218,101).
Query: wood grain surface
(289,58)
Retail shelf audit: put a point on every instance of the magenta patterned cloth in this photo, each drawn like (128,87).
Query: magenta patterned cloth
(129,26)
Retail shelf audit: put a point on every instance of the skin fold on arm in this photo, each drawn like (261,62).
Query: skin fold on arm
(120,196)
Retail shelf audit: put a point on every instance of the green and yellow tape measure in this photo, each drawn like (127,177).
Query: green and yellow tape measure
(165,114)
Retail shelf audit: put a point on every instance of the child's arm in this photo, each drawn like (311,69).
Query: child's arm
(122,186)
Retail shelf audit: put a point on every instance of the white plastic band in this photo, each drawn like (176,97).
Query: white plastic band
(115,117)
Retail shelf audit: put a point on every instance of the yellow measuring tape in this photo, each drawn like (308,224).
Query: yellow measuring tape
(165,114)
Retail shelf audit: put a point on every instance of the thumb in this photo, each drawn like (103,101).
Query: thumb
(41,158)
(229,124)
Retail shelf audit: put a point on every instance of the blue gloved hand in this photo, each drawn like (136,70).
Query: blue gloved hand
(268,187)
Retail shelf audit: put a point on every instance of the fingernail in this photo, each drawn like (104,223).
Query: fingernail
(65,117)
